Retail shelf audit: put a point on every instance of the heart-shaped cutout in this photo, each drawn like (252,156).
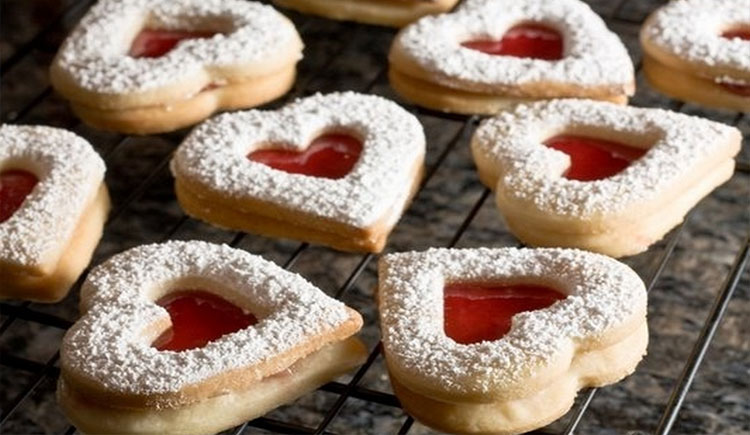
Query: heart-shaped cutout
(530,40)
(158,42)
(592,158)
(331,155)
(475,312)
(15,186)
(199,317)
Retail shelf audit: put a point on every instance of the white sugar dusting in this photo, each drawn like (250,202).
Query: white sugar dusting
(108,345)
(95,55)
(593,55)
(602,294)
(69,173)
(215,155)
(691,29)
(531,172)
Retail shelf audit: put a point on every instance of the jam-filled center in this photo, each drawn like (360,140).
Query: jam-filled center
(737,32)
(332,155)
(475,312)
(158,42)
(592,158)
(199,317)
(533,41)
(15,186)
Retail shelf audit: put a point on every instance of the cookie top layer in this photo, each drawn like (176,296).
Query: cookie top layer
(603,294)
(111,344)
(69,173)
(252,37)
(531,173)
(691,30)
(592,54)
(214,155)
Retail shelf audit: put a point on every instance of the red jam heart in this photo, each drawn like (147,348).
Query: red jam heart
(199,317)
(524,40)
(594,159)
(742,33)
(480,312)
(15,186)
(157,43)
(331,155)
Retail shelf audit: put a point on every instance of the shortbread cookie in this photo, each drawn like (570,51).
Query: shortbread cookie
(599,176)
(500,340)
(193,337)
(336,169)
(699,51)
(149,66)
(490,55)
(396,13)
(53,204)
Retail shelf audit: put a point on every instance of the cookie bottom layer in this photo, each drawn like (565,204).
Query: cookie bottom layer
(220,412)
(686,86)
(621,239)
(394,13)
(285,223)
(594,368)
(165,118)
(444,99)
(54,285)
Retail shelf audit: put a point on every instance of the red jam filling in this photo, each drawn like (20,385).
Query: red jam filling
(15,186)
(480,312)
(199,317)
(332,155)
(742,33)
(594,159)
(157,43)
(524,40)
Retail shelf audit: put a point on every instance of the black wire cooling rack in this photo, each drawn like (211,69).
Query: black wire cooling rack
(334,60)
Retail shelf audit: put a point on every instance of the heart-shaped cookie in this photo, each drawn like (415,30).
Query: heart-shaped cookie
(671,161)
(146,66)
(53,204)
(583,323)
(699,51)
(394,13)
(216,180)
(116,378)
(489,55)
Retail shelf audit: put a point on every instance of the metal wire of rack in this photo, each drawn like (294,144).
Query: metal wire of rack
(329,58)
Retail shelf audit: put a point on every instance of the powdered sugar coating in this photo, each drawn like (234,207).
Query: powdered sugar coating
(691,29)
(593,55)
(602,294)
(69,173)
(108,344)
(95,55)
(531,172)
(215,155)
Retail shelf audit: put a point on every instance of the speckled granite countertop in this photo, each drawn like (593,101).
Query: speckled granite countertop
(345,56)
